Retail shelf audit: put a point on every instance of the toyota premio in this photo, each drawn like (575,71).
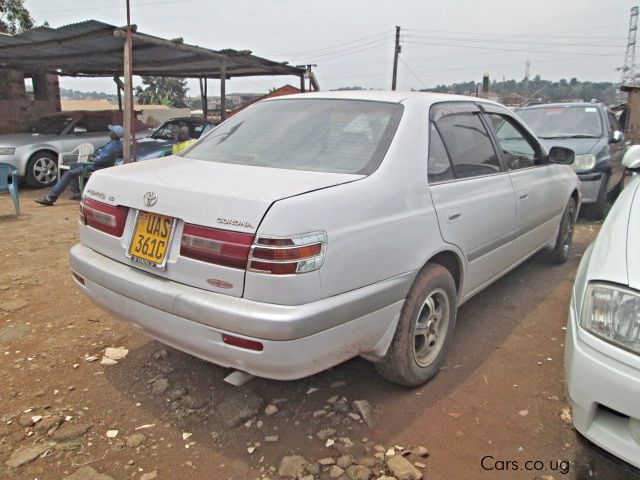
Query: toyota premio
(313,228)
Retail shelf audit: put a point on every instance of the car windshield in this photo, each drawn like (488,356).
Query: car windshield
(324,135)
(53,125)
(563,121)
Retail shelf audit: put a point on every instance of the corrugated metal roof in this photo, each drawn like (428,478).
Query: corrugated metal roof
(93,48)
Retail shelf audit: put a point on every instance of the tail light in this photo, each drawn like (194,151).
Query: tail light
(101,216)
(277,256)
(213,245)
(285,256)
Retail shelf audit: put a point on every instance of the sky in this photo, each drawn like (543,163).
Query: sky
(352,41)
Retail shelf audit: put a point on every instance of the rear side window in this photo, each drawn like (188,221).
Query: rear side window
(324,135)
(439,168)
(468,144)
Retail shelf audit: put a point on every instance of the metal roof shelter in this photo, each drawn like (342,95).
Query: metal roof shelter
(93,48)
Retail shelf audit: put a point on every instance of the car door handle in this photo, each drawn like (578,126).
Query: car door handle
(523,194)
(454,215)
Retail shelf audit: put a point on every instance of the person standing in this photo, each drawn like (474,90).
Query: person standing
(106,156)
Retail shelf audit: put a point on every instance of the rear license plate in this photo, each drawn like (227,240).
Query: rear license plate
(151,238)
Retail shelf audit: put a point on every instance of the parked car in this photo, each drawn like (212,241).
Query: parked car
(310,229)
(165,136)
(35,152)
(602,353)
(592,131)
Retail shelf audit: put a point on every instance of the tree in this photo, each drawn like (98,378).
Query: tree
(163,91)
(14,17)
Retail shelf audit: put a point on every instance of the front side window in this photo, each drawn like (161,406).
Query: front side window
(324,135)
(95,123)
(468,144)
(517,150)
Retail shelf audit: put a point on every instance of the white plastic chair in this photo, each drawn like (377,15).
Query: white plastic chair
(78,155)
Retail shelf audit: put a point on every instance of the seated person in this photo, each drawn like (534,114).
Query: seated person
(184,139)
(105,157)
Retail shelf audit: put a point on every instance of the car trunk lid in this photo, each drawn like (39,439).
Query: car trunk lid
(216,195)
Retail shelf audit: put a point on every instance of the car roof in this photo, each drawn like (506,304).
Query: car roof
(562,104)
(384,96)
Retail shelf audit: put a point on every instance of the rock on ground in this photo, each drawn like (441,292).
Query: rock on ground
(70,431)
(364,409)
(402,469)
(135,440)
(87,473)
(149,475)
(335,471)
(24,455)
(239,408)
(292,466)
(160,386)
(13,332)
(358,472)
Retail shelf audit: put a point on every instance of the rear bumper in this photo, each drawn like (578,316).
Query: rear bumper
(604,395)
(298,340)
(590,186)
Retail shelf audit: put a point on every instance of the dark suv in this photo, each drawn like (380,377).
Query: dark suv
(592,131)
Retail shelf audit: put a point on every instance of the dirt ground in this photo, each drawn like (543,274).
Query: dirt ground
(499,396)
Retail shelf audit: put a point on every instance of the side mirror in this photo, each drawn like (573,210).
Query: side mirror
(79,129)
(617,136)
(561,155)
(631,159)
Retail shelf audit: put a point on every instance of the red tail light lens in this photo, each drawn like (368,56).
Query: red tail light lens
(213,245)
(101,216)
(242,343)
(286,256)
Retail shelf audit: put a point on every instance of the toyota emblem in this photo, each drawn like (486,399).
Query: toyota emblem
(150,199)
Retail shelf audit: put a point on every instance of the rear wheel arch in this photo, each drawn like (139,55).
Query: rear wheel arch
(453,263)
(576,198)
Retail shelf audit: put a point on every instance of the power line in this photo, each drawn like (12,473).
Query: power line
(493,40)
(511,49)
(412,72)
(591,37)
(110,6)
(345,53)
(333,47)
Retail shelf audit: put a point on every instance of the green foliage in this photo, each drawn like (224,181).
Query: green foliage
(162,90)
(539,90)
(14,17)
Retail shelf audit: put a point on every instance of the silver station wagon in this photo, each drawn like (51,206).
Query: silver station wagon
(313,228)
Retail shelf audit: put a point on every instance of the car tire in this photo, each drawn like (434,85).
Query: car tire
(42,170)
(598,210)
(617,189)
(562,249)
(424,331)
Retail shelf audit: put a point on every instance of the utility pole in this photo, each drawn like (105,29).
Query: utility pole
(629,67)
(129,119)
(396,52)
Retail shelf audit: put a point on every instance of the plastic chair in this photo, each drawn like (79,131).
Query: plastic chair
(79,154)
(7,170)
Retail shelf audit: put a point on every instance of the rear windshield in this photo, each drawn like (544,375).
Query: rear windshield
(322,135)
(563,122)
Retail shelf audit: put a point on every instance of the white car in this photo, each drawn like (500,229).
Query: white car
(602,353)
(310,229)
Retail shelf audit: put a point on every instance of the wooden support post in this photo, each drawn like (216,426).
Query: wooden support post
(302,86)
(205,109)
(126,141)
(396,52)
(223,93)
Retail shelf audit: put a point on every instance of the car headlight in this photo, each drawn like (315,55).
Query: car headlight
(583,163)
(7,150)
(613,314)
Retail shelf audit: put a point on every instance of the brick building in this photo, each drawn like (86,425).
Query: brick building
(19,108)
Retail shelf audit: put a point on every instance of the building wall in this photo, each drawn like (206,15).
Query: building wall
(633,123)
(18,108)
